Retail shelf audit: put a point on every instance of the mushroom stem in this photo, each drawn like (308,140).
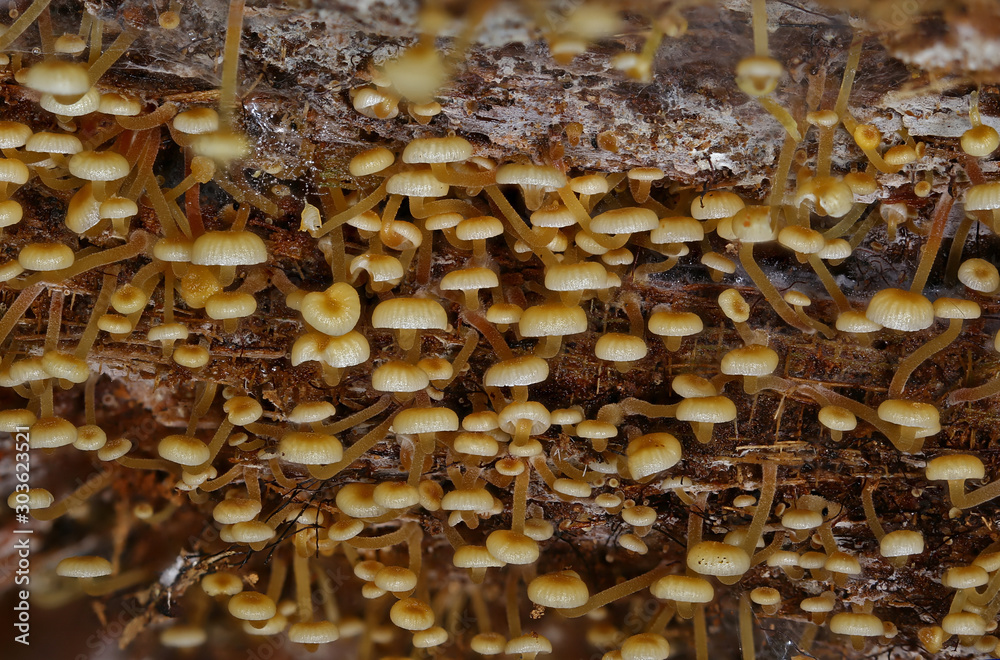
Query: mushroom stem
(700,633)
(783,116)
(22,23)
(231,61)
(769,476)
(520,228)
(20,306)
(831,286)
(768,289)
(870,515)
(914,359)
(760,28)
(963,500)
(746,628)
(970,394)
(355,451)
(612,594)
(95,484)
(957,245)
(929,253)
(818,326)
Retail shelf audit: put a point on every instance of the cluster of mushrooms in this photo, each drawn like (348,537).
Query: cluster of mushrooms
(451,465)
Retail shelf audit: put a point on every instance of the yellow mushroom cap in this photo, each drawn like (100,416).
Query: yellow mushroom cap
(567,416)
(235,510)
(783,558)
(228,248)
(37,498)
(801,239)
(65,366)
(53,143)
(965,577)
(531,411)
(645,646)
(197,121)
(252,606)
(398,377)
(416,183)
(706,409)
(690,385)
(481,422)
(540,176)
(838,248)
(801,519)
(46,256)
(530,643)
(980,141)
(852,321)
(311,411)
(251,531)
(114,449)
(511,547)
(979,275)
(652,453)
(313,632)
(964,623)
(856,624)
(467,279)
(552,320)
(753,360)
(955,467)
(911,414)
(899,155)
(52,432)
(683,589)
(557,217)
(193,357)
(395,579)
(409,313)
(221,145)
(467,499)
(183,450)
(675,324)
(646,174)
(505,313)
(956,308)
(58,77)
(626,220)
(395,495)
(900,310)
(433,636)
(242,410)
(309,448)
(411,614)
(357,500)
(589,184)
(716,204)
(677,229)
(230,305)
(118,105)
(86,566)
(837,418)
(515,372)
(766,596)
(719,559)
(823,118)
(562,590)
(818,604)
(222,583)
(425,420)
(451,149)
(619,347)
(14,134)
(98,165)
(901,543)
(983,197)
(753,224)
(576,277)
(489,643)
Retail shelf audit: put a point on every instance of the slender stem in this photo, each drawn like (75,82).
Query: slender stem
(612,594)
(22,23)
(930,250)
(231,60)
(870,515)
(914,359)
(768,289)
(746,628)
(111,55)
(769,476)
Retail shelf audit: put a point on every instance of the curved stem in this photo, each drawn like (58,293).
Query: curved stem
(769,471)
(930,250)
(870,514)
(914,359)
(768,289)
(612,594)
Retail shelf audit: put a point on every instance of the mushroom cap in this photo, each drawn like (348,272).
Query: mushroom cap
(411,614)
(753,224)
(955,467)
(719,559)
(801,239)
(652,453)
(675,324)
(983,197)
(252,606)
(196,121)
(489,643)
(562,590)
(222,583)
(466,279)
(425,420)
(479,228)
(619,347)
(308,448)
(716,204)
(965,577)
(818,604)
(576,276)
(979,275)
(467,499)
(85,566)
(558,217)
(552,320)
(512,548)
(683,589)
(515,372)
(706,409)
(980,141)
(912,414)
(229,248)
(529,643)
(837,418)
(230,305)
(58,77)
(46,257)
(357,500)
(450,149)
(841,562)
(853,321)
(645,646)
(956,308)
(539,176)
(901,543)
(399,377)
(235,510)
(53,143)
(183,450)
(964,623)
(801,519)
(313,632)
(900,310)
(627,220)
(856,624)
(677,229)
(98,165)
(753,360)
(346,350)
(14,134)
(766,596)
(416,183)
(690,385)
(409,314)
